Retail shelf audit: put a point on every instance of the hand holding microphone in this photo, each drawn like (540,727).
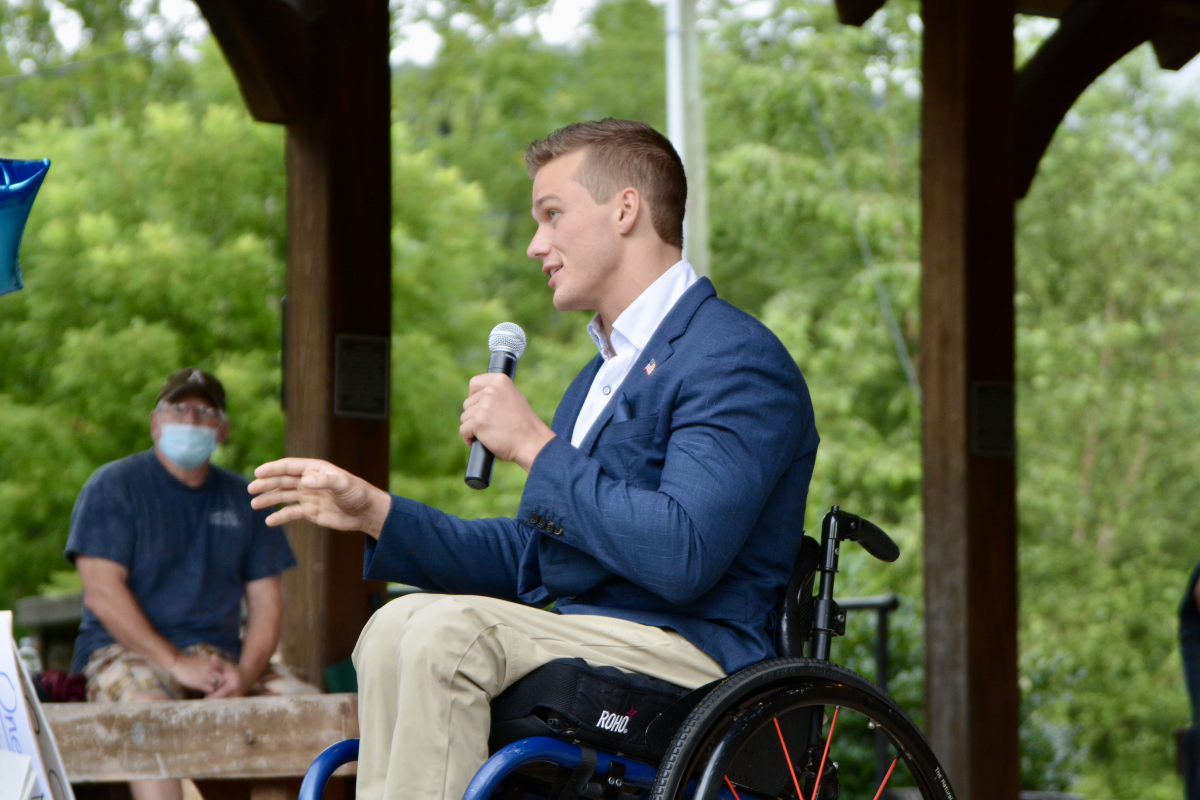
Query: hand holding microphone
(495,413)
(497,421)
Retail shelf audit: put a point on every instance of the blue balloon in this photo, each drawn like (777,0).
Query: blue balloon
(19,184)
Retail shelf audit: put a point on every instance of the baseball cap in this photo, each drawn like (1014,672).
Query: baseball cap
(191,380)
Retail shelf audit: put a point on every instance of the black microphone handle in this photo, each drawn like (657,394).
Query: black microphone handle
(479,463)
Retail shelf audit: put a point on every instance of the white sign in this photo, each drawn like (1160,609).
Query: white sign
(16,776)
(23,729)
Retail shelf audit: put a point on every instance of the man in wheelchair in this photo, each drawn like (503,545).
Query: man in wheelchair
(660,517)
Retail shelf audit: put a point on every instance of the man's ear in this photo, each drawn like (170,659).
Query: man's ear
(629,206)
(223,431)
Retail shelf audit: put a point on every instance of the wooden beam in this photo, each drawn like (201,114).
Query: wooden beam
(47,612)
(1043,8)
(322,68)
(1178,38)
(339,283)
(857,12)
(246,737)
(285,789)
(269,47)
(967,352)
(1093,35)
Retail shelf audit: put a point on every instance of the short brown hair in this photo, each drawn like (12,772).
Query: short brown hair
(620,153)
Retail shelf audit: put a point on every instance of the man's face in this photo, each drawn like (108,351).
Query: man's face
(188,410)
(577,239)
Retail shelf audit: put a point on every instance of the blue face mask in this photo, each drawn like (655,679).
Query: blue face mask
(188,446)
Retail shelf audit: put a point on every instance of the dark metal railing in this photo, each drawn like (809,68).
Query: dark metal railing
(882,605)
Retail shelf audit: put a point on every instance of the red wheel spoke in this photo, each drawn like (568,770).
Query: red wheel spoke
(885,777)
(737,797)
(828,740)
(788,756)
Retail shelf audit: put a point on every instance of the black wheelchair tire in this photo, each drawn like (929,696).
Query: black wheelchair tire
(811,683)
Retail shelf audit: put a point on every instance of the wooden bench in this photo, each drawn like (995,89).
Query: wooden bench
(252,748)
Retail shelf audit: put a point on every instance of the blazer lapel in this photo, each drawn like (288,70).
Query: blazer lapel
(569,407)
(658,350)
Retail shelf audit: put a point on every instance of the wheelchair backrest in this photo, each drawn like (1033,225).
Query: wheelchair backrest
(794,614)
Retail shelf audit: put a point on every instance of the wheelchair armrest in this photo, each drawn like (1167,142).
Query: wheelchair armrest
(324,765)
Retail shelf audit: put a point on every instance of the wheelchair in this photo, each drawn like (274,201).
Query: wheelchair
(775,729)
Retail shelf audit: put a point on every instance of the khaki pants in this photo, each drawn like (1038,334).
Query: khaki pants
(429,665)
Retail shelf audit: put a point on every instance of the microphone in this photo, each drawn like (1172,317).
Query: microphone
(507,342)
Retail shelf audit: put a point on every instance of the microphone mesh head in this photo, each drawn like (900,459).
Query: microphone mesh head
(507,336)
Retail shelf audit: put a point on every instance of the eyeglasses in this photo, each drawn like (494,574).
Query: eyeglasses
(206,414)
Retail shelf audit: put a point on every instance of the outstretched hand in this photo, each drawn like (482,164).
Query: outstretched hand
(316,490)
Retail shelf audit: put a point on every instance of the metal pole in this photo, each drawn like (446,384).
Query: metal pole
(675,117)
(882,605)
(685,124)
(696,160)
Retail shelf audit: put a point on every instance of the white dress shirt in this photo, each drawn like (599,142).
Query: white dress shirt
(630,333)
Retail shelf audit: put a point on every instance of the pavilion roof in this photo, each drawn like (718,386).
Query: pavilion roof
(1092,36)
(1173,25)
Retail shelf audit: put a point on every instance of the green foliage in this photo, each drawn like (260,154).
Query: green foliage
(40,79)
(1108,361)
(484,100)
(62,582)
(158,241)
(779,222)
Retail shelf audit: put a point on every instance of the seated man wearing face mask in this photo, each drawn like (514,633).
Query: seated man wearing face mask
(167,546)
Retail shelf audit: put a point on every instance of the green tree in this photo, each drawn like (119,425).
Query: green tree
(122,63)
(158,241)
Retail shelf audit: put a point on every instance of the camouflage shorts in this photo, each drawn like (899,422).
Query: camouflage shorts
(117,674)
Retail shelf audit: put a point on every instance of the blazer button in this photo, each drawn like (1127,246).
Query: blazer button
(558,531)
(534,518)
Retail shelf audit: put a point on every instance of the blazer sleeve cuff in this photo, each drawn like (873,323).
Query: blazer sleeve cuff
(548,488)
(387,558)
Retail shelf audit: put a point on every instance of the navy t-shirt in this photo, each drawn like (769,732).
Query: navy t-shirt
(189,552)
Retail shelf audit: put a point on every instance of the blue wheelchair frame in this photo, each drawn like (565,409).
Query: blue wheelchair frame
(503,763)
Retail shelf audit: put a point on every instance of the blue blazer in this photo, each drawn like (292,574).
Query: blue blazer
(682,508)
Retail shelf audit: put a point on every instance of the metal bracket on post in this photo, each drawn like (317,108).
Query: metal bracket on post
(830,610)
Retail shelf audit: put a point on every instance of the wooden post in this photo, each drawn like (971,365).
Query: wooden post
(321,68)
(339,283)
(967,365)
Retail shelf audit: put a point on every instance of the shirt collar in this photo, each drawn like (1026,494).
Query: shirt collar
(637,323)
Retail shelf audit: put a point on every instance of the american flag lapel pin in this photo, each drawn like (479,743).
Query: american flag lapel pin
(650,367)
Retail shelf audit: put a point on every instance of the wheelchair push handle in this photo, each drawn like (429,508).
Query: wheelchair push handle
(866,533)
